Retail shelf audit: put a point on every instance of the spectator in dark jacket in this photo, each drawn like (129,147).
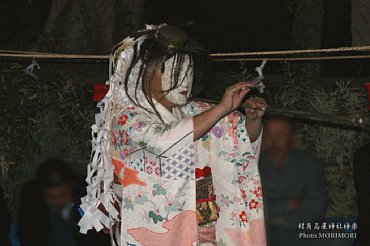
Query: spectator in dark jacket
(48,214)
(293,184)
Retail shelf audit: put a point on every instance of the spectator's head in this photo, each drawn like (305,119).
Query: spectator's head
(57,181)
(278,137)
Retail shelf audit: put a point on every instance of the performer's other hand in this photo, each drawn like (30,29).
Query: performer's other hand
(233,96)
(256,108)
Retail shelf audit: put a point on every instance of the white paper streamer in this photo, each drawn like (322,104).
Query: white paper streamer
(100,170)
(100,175)
(258,82)
(29,69)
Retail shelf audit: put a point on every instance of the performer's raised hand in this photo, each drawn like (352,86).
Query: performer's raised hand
(233,96)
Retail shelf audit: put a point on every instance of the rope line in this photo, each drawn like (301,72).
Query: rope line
(104,57)
(295,58)
(292,52)
(56,56)
(236,56)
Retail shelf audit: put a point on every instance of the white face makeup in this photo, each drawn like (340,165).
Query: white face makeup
(179,95)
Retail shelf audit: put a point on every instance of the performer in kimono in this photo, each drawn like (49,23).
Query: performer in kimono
(167,170)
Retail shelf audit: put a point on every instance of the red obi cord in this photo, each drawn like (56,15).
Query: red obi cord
(202,173)
(210,199)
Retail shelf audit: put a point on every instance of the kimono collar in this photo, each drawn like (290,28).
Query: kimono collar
(166,115)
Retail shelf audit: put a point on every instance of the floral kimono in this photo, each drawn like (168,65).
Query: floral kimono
(158,165)
(172,190)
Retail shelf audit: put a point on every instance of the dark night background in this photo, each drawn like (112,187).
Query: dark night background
(221,26)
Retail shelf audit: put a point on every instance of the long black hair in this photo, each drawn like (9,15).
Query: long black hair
(55,172)
(150,52)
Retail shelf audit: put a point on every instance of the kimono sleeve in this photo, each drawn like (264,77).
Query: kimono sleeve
(243,136)
(143,129)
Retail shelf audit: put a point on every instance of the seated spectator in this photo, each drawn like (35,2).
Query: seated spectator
(48,213)
(361,177)
(5,220)
(293,184)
